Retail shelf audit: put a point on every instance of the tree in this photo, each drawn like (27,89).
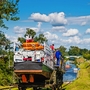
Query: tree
(62,50)
(30,32)
(3,40)
(8,11)
(86,56)
(21,39)
(83,51)
(74,50)
(41,38)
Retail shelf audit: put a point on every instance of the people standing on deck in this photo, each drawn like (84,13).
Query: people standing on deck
(58,57)
(17,47)
(52,47)
(53,51)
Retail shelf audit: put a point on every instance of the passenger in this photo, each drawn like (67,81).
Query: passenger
(29,39)
(52,47)
(17,48)
(58,57)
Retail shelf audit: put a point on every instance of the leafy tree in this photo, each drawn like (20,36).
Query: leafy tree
(74,50)
(8,11)
(83,51)
(30,32)
(3,42)
(41,38)
(21,39)
(86,56)
(62,50)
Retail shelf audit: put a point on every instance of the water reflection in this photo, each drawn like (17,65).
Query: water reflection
(70,74)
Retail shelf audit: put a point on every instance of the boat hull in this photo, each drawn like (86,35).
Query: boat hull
(35,68)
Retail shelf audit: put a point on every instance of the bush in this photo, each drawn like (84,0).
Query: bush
(86,56)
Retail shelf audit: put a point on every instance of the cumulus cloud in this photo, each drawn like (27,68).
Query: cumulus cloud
(56,19)
(86,41)
(88,31)
(75,39)
(11,38)
(39,17)
(50,36)
(71,32)
(59,28)
(82,20)
(19,30)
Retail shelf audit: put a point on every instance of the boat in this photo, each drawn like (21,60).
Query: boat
(67,66)
(75,70)
(33,62)
(34,66)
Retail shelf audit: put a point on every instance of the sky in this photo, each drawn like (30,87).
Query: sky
(63,22)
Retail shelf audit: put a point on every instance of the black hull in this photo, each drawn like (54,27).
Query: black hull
(28,65)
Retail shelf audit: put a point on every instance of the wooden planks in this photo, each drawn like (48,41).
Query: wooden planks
(27,71)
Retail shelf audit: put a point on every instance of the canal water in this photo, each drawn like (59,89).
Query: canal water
(70,74)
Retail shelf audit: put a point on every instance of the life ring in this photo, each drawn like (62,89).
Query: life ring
(28,48)
(41,47)
(33,48)
(30,44)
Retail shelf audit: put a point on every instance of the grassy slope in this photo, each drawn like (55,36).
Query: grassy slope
(83,80)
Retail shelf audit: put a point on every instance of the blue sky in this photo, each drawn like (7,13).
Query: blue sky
(63,22)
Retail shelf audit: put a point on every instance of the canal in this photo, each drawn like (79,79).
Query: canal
(70,73)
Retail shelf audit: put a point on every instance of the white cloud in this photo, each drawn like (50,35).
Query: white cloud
(83,23)
(86,41)
(11,38)
(39,25)
(71,32)
(75,40)
(19,30)
(50,36)
(88,31)
(59,28)
(39,17)
(82,20)
(56,19)
(37,28)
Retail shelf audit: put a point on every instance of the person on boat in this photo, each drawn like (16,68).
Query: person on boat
(58,57)
(17,47)
(52,47)
(29,39)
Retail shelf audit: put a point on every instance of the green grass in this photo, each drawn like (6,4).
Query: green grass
(8,87)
